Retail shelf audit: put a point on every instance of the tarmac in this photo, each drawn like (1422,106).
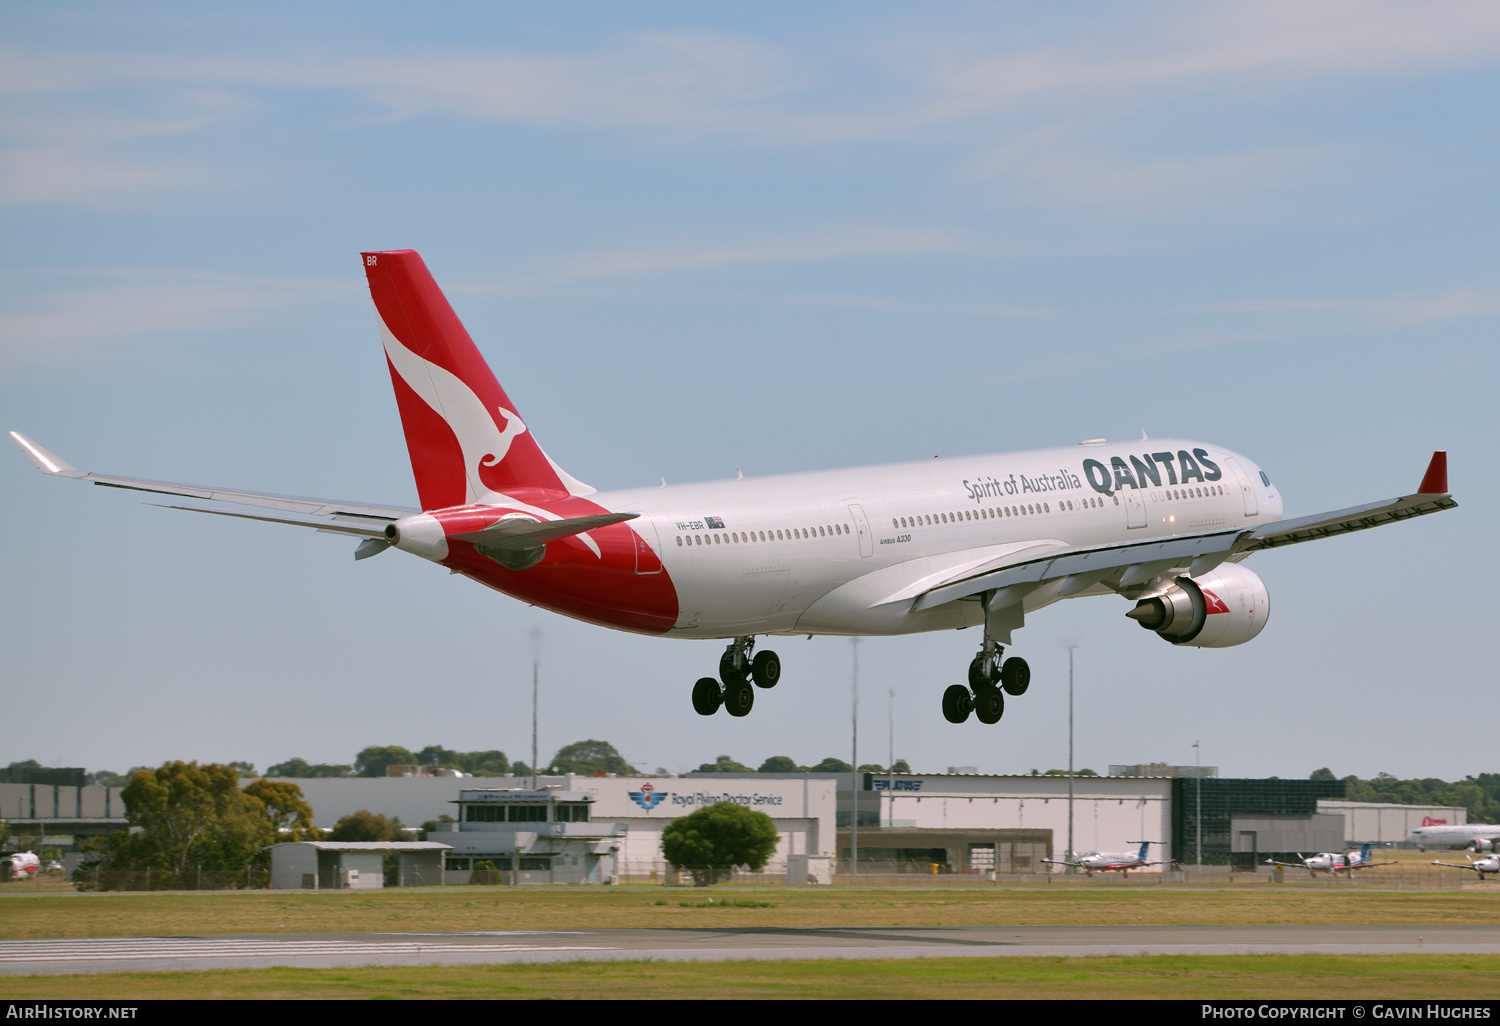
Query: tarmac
(326,951)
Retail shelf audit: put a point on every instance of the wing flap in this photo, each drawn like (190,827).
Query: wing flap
(1344,521)
(1116,557)
(340,525)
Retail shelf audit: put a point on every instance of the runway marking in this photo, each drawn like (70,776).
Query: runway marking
(172,947)
(119,954)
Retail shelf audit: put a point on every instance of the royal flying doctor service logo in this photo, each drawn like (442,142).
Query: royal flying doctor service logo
(647,797)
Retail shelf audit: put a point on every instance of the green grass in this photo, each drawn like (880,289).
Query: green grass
(1199,977)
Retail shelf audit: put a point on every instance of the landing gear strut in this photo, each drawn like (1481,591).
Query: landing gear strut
(991,678)
(738,670)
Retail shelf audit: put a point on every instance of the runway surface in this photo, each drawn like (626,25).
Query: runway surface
(320,951)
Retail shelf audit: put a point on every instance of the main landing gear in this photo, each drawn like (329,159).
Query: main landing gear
(991,678)
(737,669)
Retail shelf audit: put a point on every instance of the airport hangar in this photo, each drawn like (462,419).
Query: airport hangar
(962,822)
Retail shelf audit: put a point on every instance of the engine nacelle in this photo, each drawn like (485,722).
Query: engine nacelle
(1224,607)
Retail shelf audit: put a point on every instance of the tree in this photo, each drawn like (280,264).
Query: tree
(247,769)
(724,764)
(106,778)
(1322,774)
(288,812)
(780,764)
(900,766)
(585,757)
(298,767)
(437,755)
(711,842)
(832,765)
(364,825)
(492,763)
(871,767)
(190,815)
(372,761)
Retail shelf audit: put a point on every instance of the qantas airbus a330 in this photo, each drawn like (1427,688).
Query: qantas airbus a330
(979,541)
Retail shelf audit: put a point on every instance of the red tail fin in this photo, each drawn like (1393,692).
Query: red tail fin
(466,441)
(1435,481)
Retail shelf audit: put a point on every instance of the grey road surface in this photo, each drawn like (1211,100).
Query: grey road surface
(94,955)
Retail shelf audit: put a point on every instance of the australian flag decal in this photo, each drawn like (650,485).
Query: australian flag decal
(717,522)
(647,797)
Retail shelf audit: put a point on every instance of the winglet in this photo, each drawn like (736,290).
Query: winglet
(44,460)
(1434,482)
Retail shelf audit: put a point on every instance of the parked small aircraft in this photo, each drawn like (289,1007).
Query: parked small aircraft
(1333,862)
(1107,861)
(23,864)
(1488,864)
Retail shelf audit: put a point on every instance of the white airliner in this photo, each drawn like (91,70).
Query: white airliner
(24,865)
(1332,862)
(1479,836)
(978,541)
(1108,861)
(1488,864)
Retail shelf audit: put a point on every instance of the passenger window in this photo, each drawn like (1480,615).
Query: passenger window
(679,541)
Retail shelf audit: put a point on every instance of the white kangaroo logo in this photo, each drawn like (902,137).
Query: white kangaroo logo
(513,428)
(482,443)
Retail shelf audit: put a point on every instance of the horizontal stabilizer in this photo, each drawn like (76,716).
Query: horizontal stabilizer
(47,463)
(524,532)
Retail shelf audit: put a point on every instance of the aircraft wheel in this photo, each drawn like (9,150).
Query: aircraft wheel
(707,697)
(989,704)
(728,673)
(766,669)
(957,703)
(739,698)
(1015,676)
(979,673)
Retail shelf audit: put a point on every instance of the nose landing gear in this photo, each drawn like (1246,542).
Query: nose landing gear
(738,671)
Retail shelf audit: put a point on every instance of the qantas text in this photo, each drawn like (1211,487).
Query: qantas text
(1185,467)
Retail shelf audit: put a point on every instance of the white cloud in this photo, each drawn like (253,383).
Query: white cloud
(828,244)
(74,323)
(1085,109)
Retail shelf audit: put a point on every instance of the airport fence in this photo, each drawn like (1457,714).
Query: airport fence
(94,878)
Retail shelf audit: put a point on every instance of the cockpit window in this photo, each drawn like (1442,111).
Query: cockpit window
(1264,479)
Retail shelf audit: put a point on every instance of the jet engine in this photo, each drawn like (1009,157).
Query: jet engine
(1226,606)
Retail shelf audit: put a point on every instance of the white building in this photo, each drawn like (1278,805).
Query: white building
(354,865)
(1109,813)
(1386,823)
(801,806)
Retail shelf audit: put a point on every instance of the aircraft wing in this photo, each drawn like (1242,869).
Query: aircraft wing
(1372,865)
(356,518)
(1131,563)
(1288,865)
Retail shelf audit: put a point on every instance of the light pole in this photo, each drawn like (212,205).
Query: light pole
(1069,857)
(890,766)
(1198,798)
(536,659)
(854,757)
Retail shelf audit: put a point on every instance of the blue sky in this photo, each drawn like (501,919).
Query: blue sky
(691,237)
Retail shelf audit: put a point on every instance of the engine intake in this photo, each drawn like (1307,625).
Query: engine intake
(1224,607)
